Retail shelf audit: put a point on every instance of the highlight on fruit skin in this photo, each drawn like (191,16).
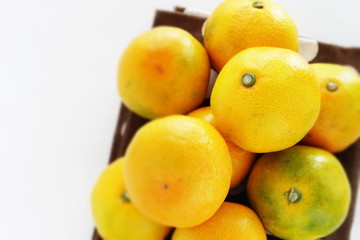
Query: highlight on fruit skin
(177,170)
(163,71)
(236,25)
(115,216)
(265,99)
(302,192)
(231,221)
(338,124)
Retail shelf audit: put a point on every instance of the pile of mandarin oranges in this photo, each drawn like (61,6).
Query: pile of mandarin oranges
(271,130)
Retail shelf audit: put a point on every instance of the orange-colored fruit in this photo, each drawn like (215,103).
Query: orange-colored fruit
(178,170)
(338,124)
(163,71)
(231,221)
(115,216)
(265,99)
(299,193)
(205,114)
(239,24)
(242,160)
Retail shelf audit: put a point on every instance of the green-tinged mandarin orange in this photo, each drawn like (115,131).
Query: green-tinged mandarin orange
(178,170)
(299,193)
(231,221)
(163,71)
(115,216)
(265,99)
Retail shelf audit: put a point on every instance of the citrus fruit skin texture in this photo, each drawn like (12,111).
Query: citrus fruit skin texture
(178,170)
(205,114)
(235,25)
(277,111)
(323,186)
(231,221)
(338,125)
(116,218)
(163,71)
(242,160)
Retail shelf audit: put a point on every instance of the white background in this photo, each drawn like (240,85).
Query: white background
(59,105)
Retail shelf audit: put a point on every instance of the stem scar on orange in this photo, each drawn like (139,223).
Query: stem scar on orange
(163,71)
(299,193)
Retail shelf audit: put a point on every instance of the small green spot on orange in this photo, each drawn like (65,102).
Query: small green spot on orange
(248,79)
(258,4)
(331,86)
(125,197)
(293,195)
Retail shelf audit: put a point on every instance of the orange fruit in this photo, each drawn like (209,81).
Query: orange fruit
(265,99)
(338,125)
(242,160)
(299,193)
(235,25)
(115,216)
(205,114)
(231,221)
(177,170)
(163,71)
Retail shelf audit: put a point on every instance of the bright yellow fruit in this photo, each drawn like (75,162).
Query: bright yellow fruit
(115,216)
(239,24)
(178,170)
(205,114)
(266,99)
(231,221)
(163,71)
(338,125)
(242,160)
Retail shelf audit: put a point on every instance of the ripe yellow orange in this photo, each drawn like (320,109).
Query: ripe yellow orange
(163,71)
(115,216)
(338,124)
(178,170)
(265,99)
(231,221)
(242,160)
(299,193)
(205,114)
(239,24)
